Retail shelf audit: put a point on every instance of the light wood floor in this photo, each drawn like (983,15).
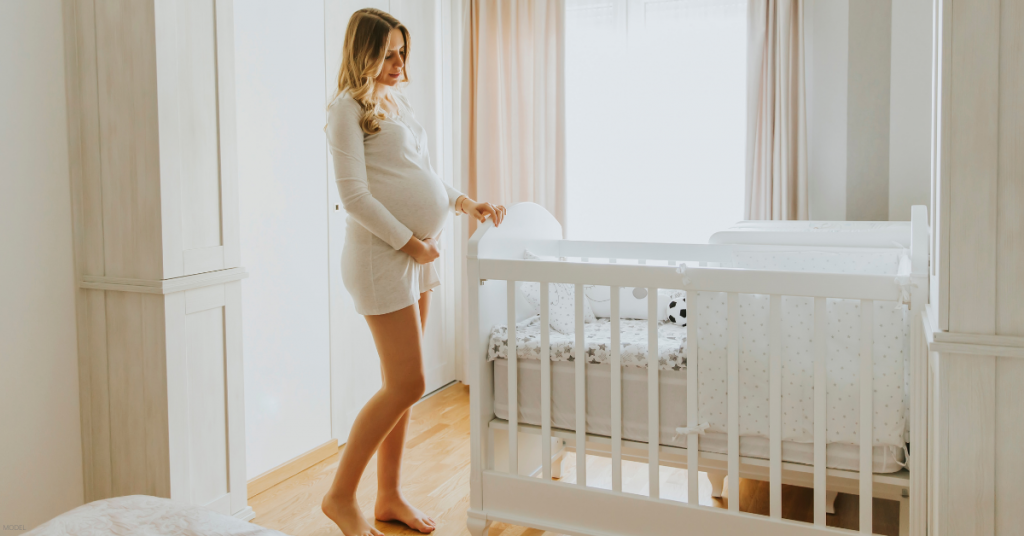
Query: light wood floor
(437,481)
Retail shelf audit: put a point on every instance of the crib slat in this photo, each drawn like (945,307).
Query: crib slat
(866,407)
(734,402)
(692,414)
(820,328)
(513,384)
(616,394)
(579,355)
(545,382)
(653,420)
(775,405)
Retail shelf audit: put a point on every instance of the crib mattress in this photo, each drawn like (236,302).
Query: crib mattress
(672,395)
(890,348)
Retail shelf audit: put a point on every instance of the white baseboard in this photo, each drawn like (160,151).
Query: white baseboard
(291,468)
(245,514)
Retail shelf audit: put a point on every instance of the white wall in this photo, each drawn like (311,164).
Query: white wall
(41,445)
(868,120)
(827,52)
(282,165)
(910,107)
(867,108)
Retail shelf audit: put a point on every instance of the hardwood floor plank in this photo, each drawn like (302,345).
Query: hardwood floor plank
(436,479)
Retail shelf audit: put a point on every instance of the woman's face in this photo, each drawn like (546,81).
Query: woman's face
(394,60)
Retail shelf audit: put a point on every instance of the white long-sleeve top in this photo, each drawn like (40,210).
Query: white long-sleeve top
(390,191)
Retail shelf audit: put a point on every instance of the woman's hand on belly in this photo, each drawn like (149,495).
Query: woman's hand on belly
(422,251)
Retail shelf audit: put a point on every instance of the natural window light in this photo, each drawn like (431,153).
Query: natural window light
(655,118)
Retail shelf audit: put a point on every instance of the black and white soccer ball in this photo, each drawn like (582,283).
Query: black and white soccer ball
(677,310)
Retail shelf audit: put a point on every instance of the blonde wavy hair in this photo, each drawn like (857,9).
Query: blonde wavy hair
(362,57)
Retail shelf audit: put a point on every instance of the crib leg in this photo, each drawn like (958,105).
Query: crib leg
(478,524)
(830,501)
(717,483)
(904,516)
(558,454)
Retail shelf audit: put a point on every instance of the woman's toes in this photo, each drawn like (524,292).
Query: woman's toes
(349,518)
(398,509)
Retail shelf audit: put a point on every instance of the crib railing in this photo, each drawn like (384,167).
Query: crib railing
(733,282)
(866,288)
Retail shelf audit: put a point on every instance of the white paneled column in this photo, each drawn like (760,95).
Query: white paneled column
(151,113)
(975,330)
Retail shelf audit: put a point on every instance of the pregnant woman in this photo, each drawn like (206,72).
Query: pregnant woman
(397,207)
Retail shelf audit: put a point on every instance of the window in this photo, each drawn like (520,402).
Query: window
(655,118)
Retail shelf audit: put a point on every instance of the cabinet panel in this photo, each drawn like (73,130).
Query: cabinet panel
(1009,487)
(196,103)
(1010,188)
(974,152)
(127,393)
(207,401)
(136,400)
(970,469)
(128,145)
(197,126)
(151,109)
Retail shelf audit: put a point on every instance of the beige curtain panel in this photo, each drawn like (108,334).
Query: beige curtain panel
(776,186)
(513,107)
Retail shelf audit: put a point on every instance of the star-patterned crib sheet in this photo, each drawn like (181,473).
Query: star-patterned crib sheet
(597,339)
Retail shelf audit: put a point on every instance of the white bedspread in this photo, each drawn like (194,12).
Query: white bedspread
(142,515)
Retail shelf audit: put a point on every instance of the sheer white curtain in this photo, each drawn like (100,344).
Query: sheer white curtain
(512,111)
(655,118)
(777,112)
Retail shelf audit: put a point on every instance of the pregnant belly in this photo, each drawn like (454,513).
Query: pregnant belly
(418,200)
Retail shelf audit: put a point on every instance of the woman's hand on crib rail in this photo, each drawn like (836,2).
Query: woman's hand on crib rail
(423,251)
(480,211)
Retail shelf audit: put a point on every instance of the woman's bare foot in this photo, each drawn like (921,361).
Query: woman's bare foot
(348,517)
(394,507)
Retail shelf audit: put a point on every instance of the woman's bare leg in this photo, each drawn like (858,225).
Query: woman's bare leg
(398,337)
(391,504)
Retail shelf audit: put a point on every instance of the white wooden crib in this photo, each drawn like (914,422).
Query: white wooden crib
(512,462)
